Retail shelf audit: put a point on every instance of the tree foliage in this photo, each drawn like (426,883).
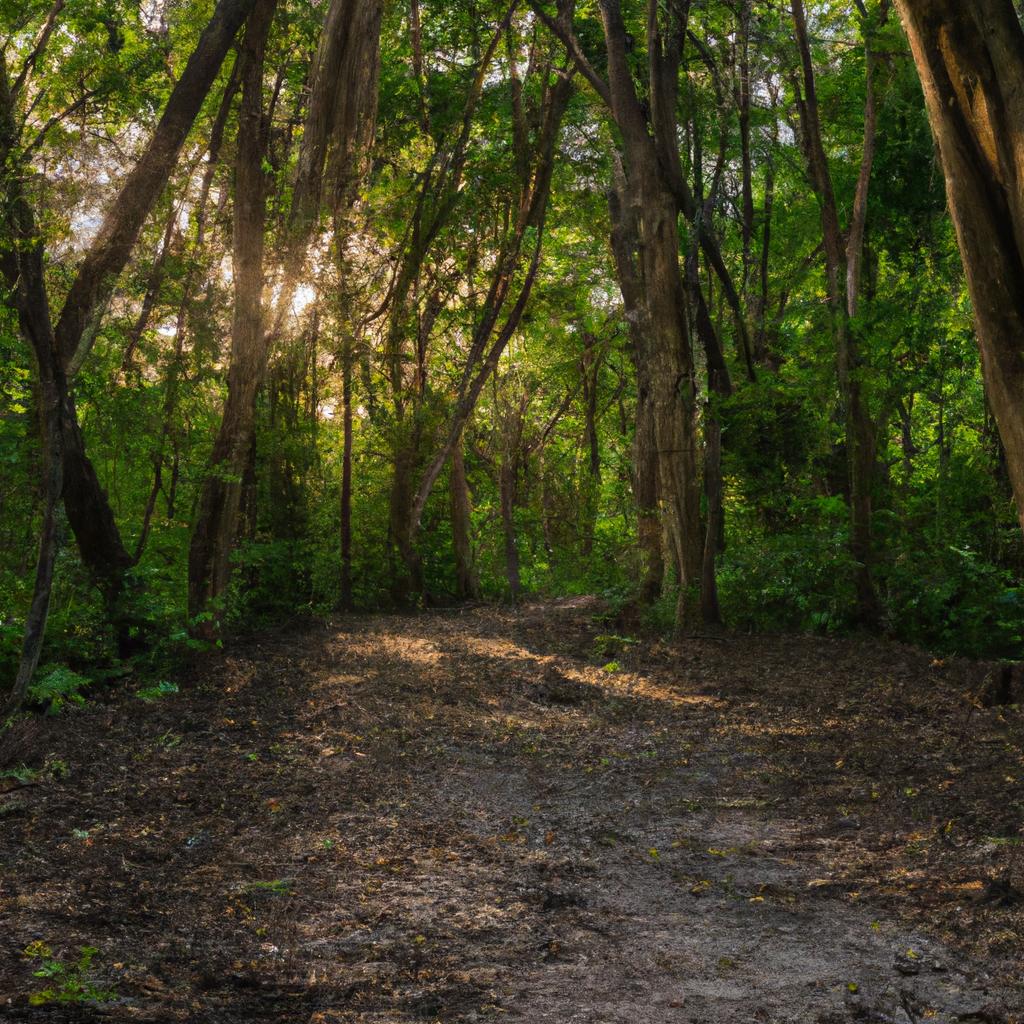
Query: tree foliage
(455,368)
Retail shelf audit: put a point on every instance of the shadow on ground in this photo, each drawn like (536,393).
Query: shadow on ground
(464,817)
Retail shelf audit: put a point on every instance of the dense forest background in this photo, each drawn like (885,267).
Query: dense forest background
(333,305)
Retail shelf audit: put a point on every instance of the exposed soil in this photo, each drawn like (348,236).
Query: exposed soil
(464,817)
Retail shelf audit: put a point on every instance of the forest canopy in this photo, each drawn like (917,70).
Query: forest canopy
(714,308)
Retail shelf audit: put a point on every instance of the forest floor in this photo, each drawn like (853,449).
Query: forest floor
(473,816)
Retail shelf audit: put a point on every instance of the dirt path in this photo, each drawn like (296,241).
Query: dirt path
(464,817)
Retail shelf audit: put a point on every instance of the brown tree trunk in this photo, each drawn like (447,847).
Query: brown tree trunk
(33,311)
(406,565)
(346,474)
(971,60)
(220,498)
(90,515)
(674,400)
(590,368)
(645,487)
(656,191)
(490,339)
(94,283)
(507,492)
(23,270)
(860,439)
(466,584)
(624,244)
(719,387)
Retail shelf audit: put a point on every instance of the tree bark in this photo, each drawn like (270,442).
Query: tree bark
(22,264)
(97,275)
(507,495)
(590,369)
(33,312)
(971,61)
(839,252)
(467,586)
(489,339)
(213,536)
(624,244)
(719,387)
(654,190)
(346,473)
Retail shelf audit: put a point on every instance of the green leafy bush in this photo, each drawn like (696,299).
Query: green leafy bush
(58,688)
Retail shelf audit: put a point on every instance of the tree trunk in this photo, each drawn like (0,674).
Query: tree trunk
(30,298)
(507,489)
(674,402)
(719,387)
(220,498)
(860,440)
(645,489)
(624,244)
(467,586)
(590,369)
(346,474)
(94,283)
(971,61)
(90,515)
(406,565)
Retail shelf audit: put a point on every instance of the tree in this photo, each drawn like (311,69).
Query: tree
(342,101)
(60,349)
(971,61)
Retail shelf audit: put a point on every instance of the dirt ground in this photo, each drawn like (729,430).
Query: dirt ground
(491,815)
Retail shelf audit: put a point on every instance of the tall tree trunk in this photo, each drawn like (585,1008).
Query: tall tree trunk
(30,298)
(406,565)
(656,190)
(645,489)
(971,60)
(860,440)
(590,369)
(22,264)
(346,473)
(674,399)
(507,494)
(220,498)
(466,584)
(624,244)
(719,387)
(85,501)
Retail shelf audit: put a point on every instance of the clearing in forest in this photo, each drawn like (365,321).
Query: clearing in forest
(517,815)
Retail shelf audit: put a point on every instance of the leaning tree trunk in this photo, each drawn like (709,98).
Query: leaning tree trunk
(971,60)
(94,283)
(85,501)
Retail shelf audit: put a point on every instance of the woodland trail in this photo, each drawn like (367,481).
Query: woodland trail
(497,815)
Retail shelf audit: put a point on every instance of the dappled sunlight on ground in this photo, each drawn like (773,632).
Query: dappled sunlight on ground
(468,816)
